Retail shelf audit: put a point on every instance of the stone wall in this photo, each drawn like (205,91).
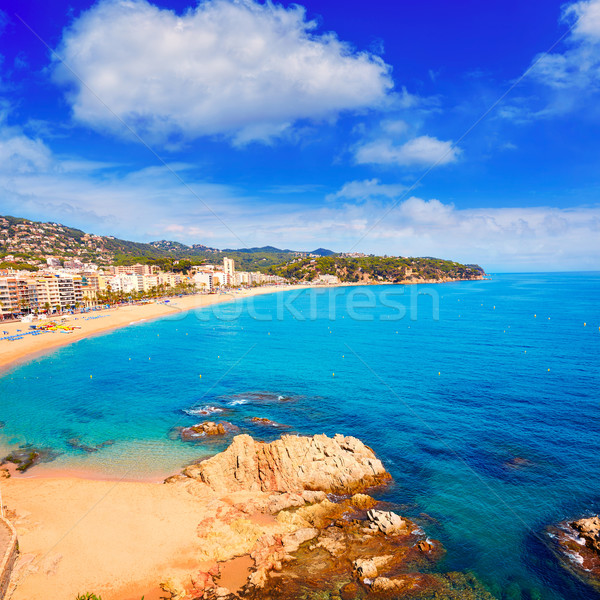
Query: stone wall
(7,561)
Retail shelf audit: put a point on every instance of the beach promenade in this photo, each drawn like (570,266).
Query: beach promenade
(8,554)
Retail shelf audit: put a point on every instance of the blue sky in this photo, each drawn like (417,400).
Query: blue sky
(352,126)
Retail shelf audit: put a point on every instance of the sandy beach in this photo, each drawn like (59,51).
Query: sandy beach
(119,540)
(18,351)
(80,533)
(110,538)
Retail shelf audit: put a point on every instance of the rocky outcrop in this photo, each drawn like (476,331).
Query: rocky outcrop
(589,530)
(369,567)
(341,465)
(577,546)
(267,422)
(387,522)
(295,508)
(206,429)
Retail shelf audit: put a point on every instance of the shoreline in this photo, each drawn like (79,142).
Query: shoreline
(18,352)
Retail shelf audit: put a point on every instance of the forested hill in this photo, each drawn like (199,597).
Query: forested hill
(26,244)
(373,269)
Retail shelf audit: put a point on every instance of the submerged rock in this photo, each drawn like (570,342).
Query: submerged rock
(28,456)
(77,444)
(340,465)
(268,423)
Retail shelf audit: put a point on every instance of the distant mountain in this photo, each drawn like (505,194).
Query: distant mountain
(317,252)
(261,249)
(323,252)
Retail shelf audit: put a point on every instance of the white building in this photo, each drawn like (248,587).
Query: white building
(229,270)
(203,280)
(220,279)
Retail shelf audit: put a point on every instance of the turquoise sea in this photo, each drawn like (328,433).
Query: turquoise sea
(480,397)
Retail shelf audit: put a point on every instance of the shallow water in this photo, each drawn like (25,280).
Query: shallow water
(487,416)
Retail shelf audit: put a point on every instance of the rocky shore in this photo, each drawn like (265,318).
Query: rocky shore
(578,544)
(294,516)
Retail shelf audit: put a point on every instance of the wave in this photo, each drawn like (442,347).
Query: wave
(203,410)
(238,402)
(258,398)
(574,557)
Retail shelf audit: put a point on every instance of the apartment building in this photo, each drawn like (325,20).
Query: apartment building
(203,280)
(58,291)
(9,296)
(134,270)
(229,271)
(23,294)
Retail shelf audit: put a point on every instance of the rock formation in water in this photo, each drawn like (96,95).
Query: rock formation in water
(267,422)
(294,509)
(589,530)
(340,465)
(206,429)
(578,548)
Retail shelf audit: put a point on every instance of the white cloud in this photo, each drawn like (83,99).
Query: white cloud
(419,151)
(368,188)
(587,15)
(240,68)
(152,203)
(21,154)
(573,74)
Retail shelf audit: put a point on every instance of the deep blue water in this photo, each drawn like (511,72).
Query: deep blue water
(486,412)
